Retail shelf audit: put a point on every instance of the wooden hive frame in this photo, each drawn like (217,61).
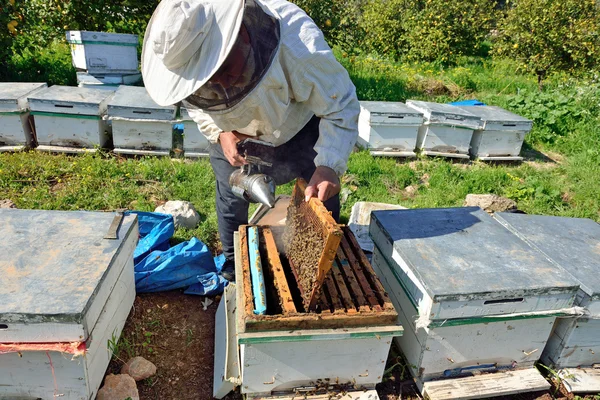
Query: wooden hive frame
(352,294)
(319,218)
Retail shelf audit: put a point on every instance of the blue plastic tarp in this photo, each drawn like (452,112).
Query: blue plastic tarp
(467,103)
(159,267)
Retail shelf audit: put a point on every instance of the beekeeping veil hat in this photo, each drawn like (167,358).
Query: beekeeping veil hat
(186,42)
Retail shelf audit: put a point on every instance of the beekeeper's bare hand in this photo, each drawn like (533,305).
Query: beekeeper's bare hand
(323,185)
(229,141)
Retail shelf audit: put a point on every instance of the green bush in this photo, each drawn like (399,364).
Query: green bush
(549,35)
(51,64)
(382,24)
(441,30)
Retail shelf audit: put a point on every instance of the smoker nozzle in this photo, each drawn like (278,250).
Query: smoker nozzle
(255,188)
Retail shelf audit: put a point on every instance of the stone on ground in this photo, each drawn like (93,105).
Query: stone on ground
(139,368)
(6,203)
(490,202)
(183,212)
(118,387)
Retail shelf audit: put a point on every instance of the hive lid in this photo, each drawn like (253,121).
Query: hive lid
(464,253)
(446,114)
(390,108)
(70,100)
(572,243)
(135,103)
(13,95)
(499,118)
(53,266)
(91,37)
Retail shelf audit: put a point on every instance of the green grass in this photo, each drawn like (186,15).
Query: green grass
(567,128)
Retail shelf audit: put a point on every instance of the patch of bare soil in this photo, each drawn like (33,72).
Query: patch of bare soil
(173,331)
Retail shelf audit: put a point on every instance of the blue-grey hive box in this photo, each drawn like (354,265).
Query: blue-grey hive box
(574,244)
(70,119)
(447,130)
(62,284)
(139,125)
(16,127)
(195,144)
(473,296)
(501,135)
(388,128)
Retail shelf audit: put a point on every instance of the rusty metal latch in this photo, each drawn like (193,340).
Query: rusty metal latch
(113,230)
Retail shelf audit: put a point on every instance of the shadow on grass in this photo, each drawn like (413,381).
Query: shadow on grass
(530,154)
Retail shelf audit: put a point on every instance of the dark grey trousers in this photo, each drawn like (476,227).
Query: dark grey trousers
(293,159)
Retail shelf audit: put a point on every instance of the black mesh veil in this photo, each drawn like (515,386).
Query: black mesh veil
(263,31)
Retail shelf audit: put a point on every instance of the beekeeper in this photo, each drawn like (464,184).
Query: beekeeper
(261,69)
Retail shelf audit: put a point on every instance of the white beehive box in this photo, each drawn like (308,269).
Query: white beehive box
(104,53)
(139,125)
(289,361)
(574,244)
(106,81)
(501,136)
(16,127)
(447,130)
(472,296)
(195,143)
(388,128)
(62,284)
(70,119)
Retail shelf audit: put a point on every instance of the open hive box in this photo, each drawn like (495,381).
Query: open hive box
(309,319)
(323,280)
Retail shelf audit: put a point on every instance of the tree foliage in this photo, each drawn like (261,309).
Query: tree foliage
(549,35)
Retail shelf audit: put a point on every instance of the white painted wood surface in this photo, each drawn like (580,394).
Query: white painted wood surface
(195,143)
(496,145)
(70,100)
(389,128)
(59,133)
(49,375)
(281,366)
(144,136)
(444,140)
(486,385)
(479,345)
(102,52)
(227,360)
(15,131)
(581,380)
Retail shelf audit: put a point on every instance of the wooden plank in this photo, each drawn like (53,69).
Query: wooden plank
(341,285)
(248,299)
(581,380)
(320,321)
(486,385)
(379,289)
(333,293)
(362,280)
(344,395)
(274,264)
(346,269)
(324,304)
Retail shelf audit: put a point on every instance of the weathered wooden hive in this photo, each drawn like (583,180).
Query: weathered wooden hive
(70,119)
(389,128)
(139,125)
(17,129)
(65,295)
(104,53)
(501,135)
(574,244)
(447,130)
(472,297)
(335,327)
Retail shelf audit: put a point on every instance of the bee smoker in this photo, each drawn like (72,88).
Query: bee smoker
(248,182)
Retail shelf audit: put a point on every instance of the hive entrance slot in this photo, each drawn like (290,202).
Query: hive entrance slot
(3,327)
(504,301)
